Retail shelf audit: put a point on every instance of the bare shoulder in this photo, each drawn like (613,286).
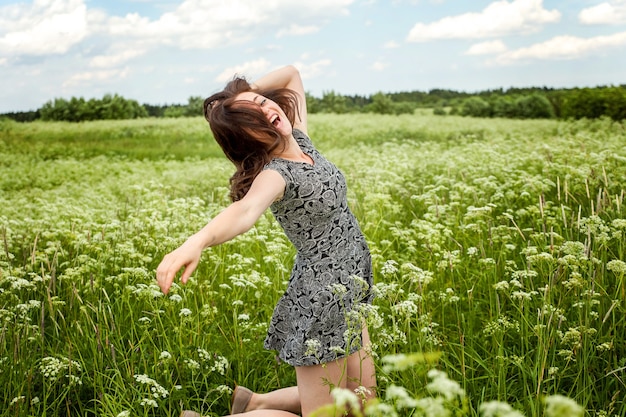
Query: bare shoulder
(269,185)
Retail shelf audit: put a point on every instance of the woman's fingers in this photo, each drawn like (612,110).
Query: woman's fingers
(167,271)
(171,264)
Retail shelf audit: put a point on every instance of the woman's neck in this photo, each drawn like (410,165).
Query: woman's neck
(293,152)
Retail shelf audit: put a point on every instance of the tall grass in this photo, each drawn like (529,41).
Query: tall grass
(498,247)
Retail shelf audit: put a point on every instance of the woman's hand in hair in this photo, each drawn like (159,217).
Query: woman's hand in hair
(286,77)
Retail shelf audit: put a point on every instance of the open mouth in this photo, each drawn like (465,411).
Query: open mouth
(275,120)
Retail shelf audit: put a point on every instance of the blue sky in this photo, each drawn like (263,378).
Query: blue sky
(164,51)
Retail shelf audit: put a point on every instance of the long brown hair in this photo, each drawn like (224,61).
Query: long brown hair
(243,132)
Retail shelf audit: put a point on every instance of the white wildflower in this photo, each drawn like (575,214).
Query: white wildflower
(149,402)
(400,396)
(362,392)
(381,409)
(501,286)
(498,409)
(444,386)
(203,354)
(176,298)
(389,268)
(522,295)
(405,308)
(432,407)
(155,388)
(312,347)
(220,365)
(338,289)
(561,406)
(224,389)
(345,398)
(17,400)
(402,361)
(191,364)
(617,266)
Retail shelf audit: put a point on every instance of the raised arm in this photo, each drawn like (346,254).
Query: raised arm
(287,77)
(236,219)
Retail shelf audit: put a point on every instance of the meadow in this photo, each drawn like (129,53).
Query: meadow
(498,249)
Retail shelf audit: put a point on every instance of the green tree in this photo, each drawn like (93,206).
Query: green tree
(78,109)
(615,99)
(584,102)
(313,104)
(475,107)
(534,106)
(381,104)
(332,102)
(504,106)
(195,106)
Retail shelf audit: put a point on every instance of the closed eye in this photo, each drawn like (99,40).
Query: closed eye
(262,102)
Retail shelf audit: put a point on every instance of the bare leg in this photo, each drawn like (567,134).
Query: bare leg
(361,371)
(286,399)
(313,385)
(266,413)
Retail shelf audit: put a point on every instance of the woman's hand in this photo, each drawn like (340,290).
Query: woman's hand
(286,77)
(187,256)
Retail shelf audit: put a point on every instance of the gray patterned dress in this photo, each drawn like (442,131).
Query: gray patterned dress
(309,325)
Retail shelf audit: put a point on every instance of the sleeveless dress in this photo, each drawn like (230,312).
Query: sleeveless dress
(311,323)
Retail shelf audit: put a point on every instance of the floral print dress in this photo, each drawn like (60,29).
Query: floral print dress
(313,321)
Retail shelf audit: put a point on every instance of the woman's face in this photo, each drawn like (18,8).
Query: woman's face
(272,111)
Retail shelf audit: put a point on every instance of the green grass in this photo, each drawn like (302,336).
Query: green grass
(498,244)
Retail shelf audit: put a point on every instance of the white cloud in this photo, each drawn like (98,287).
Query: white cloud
(379,66)
(609,12)
(487,48)
(54,26)
(297,30)
(248,69)
(563,48)
(253,69)
(117,58)
(99,75)
(391,45)
(497,19)
(315,69)
(214,23)
(43,27)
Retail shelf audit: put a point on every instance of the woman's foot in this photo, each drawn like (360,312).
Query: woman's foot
(240,400)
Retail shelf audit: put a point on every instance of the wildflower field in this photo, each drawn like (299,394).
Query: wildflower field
(498,249)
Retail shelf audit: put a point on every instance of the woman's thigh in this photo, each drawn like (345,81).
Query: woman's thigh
(316,382)
(361,371)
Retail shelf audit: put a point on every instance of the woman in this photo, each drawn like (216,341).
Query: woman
(262,129)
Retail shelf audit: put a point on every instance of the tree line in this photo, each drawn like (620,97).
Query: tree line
(520,103)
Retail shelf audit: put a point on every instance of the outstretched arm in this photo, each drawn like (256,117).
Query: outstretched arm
(287,77)
(236,219)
